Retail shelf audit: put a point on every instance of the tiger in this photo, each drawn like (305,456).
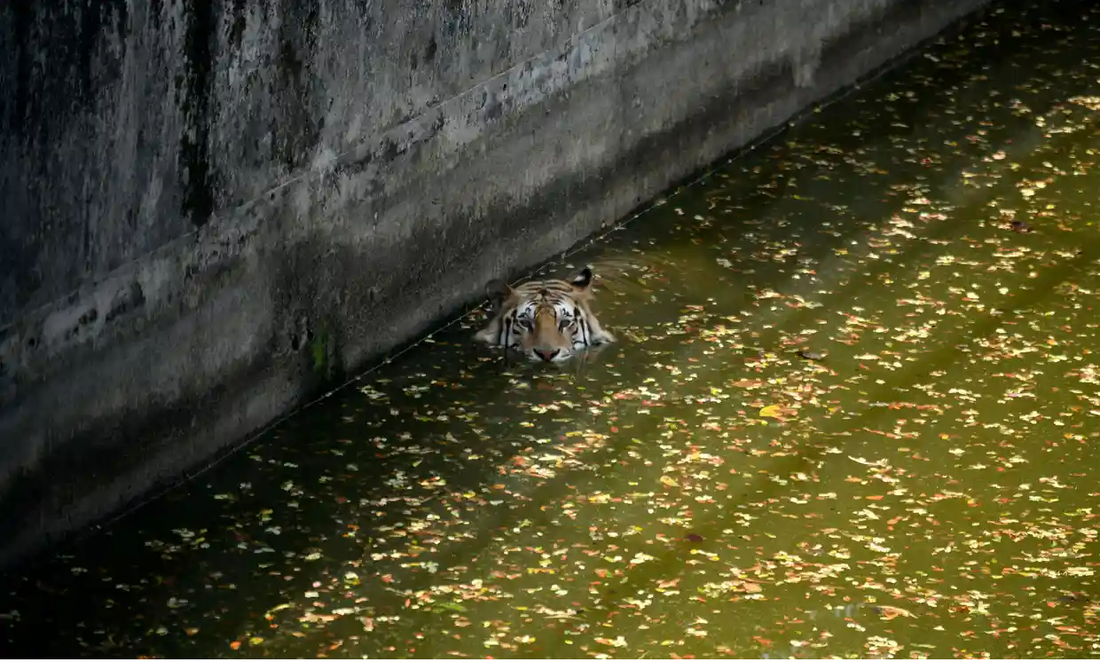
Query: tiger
(545,320)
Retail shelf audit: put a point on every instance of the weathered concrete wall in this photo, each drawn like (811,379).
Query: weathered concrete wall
(211,210)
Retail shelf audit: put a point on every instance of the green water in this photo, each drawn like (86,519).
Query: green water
(699,488)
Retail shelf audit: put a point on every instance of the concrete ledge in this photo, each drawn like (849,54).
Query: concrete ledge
(212,270)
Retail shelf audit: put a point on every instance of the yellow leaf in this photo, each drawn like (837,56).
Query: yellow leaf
(669,482)
(771,411)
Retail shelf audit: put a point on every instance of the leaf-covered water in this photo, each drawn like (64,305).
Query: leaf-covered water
(853,412)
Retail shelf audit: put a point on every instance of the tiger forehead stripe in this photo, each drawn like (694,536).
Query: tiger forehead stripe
(537,287)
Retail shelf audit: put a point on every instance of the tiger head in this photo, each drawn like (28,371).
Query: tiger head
(546,320)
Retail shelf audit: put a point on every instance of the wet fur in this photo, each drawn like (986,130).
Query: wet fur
(546,320)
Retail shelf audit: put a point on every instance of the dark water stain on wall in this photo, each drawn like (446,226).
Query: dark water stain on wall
(198,195)
(296,124)
(13,107)
(47,40)
(236,29)
(57,62)
(457,19)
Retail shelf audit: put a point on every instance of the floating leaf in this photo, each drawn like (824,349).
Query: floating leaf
(771,411)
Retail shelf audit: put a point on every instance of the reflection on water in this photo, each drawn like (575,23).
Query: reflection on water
(853,411)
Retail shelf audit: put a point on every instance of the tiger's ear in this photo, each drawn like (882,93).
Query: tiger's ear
(497,291)
(583,279)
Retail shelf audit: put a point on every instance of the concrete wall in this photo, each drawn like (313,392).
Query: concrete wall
(212,210)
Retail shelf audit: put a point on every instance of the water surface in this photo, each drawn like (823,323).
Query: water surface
(853,412)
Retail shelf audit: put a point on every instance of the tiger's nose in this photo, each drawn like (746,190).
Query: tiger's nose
(547,354)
